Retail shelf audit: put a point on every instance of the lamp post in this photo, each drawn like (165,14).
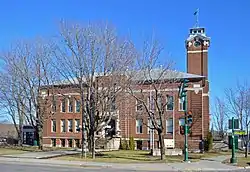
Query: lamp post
(183,96)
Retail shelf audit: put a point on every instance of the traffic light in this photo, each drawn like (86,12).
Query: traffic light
(189,117)
(182,88)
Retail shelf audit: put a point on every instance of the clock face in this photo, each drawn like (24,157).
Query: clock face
(197,43)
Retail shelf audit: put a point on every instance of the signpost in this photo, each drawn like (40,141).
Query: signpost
(233,160)
(183,96)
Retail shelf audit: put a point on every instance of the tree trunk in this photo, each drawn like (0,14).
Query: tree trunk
(93,145)
(246,149)
(40,137)
(162,146)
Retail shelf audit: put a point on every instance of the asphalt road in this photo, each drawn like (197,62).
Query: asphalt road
(24,167)
(10,167)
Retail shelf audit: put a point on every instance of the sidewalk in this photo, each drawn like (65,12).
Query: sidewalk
(203,165)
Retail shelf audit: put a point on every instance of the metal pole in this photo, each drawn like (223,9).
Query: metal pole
(185,131)
(233,159)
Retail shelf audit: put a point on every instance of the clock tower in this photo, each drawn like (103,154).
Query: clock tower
(197,45)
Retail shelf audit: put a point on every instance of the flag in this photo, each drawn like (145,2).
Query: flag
(196,12)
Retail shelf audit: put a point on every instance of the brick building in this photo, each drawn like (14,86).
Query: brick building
(60,129)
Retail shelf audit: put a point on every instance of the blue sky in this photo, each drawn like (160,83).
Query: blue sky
(226,22)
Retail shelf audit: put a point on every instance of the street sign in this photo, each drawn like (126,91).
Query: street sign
(236,123)
(240,132)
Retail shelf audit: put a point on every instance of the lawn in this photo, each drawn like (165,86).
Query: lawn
(241,161)
(126,156)
(8,151)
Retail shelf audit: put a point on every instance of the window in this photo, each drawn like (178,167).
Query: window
(77,125)
(63,106)
(53,125)
(53,142)
(151,103)
(62,142)
(139,126)
(53,105)
(78,103)
(160,102)
(70,143)
(169,125)
(139,105)
(77,142)
(63,127)
(150,124)
(181,121)
(70,127)
(170,102)
(181,105)
(70,101)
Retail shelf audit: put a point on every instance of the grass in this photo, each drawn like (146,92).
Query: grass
(19,149)
(127,156)
(8,151)
(241,161)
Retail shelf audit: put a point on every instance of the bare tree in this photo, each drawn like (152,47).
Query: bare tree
(238,105)
(149,75)
(220,117)
(27,68)
(94,59)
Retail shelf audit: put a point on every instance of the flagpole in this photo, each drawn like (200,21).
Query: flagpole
(196,13)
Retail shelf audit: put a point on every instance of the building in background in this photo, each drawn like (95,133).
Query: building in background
(60,128)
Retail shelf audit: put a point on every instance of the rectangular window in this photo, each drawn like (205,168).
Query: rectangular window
(70,143)
(70,125)
(160,102)
(53,105)
(63,127)
(151,103)
(181,105)
(181,121)
(169,126)
(150,125)
(62,142)
(63,105)
(139,105)
(78,103)
(70,105)
(53,142)
(53,125)
(170,103)
(77,125)
(139,126)
(77,142)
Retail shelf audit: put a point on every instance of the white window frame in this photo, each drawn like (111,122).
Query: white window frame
(52,106)
(76,106)
(150,124)
(168,102)
(61,126)
(70,100)
(181,104)
(167,126)
(70,127)
(63,102)
(76,126)
(141,126)
(52,126)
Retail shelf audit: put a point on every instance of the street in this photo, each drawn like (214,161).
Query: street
(26,167)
